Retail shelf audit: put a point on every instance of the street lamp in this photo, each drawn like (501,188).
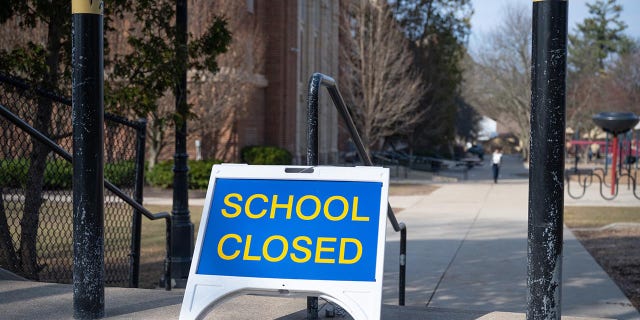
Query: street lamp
(182,228)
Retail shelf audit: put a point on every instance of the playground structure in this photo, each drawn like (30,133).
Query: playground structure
(622,164)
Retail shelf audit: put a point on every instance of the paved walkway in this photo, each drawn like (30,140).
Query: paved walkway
(467,249)
(473,237)
(467,245)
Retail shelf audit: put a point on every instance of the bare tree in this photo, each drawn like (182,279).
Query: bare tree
(582,93)
(498,83)
(160,128)
(626,74)
(221,100)
(377,71)
(599,67)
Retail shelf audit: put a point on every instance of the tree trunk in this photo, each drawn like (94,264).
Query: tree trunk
(8,257)
(33,201)
(153,157)
(232,141)
(37,165)
(33,193)
(156,140)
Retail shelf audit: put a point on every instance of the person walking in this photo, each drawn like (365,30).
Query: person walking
(496,159)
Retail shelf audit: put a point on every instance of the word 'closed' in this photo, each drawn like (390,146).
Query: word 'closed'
(301,249)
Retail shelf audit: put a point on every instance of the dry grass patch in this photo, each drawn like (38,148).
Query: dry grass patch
(595,217)
(411,189)
(153,244)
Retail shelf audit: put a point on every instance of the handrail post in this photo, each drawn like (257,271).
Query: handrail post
(312,160)
(312,121)
(167,259)
(136,222)
(403,264)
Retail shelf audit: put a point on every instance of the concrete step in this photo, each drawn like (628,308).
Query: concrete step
(36,300)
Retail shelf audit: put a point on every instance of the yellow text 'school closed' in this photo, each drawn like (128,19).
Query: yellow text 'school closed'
(301,249)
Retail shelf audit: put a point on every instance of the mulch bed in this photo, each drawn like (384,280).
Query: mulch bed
(617,250)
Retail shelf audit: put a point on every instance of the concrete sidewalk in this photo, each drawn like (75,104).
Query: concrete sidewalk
(467,249)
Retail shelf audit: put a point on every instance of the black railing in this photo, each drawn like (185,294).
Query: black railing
(317,80)
(124,165)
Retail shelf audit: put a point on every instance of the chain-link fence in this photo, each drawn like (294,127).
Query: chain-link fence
(36,210)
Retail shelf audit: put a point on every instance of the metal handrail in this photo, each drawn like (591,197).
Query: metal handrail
(111,187)
(18,83)
(317,80)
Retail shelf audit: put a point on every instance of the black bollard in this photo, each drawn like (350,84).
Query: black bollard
(182,233)
(88,186)
(138,195)
(546,173)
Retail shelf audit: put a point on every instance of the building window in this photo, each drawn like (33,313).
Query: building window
(250,6)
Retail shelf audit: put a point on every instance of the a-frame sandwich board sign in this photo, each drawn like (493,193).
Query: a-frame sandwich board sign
(285,230)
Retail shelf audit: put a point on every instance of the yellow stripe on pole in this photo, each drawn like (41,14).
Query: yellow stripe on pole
(86,6)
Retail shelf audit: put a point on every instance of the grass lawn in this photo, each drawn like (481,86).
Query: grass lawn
(153,244)
(400,189)
(153,231)
(594,217)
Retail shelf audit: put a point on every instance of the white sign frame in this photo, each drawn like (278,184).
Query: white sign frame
(361,299)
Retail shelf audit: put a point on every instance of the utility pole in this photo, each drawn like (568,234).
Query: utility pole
(182,233)
(88,186)
(546,164)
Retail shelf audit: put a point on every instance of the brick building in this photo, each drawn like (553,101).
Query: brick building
(298,38)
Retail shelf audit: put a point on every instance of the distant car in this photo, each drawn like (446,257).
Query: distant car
(477,150)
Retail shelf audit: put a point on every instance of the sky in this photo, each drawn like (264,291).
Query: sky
(487,16)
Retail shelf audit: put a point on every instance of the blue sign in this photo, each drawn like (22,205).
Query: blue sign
(293,229)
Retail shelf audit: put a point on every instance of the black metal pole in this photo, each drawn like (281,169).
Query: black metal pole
(606,152)
(136,220)
(620,155)
(636,146)
(182,237)
(312,160)
(546,174)
(576,138)
(312,121)
(629,154)
(88,186)
(403,264)
(628,157)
